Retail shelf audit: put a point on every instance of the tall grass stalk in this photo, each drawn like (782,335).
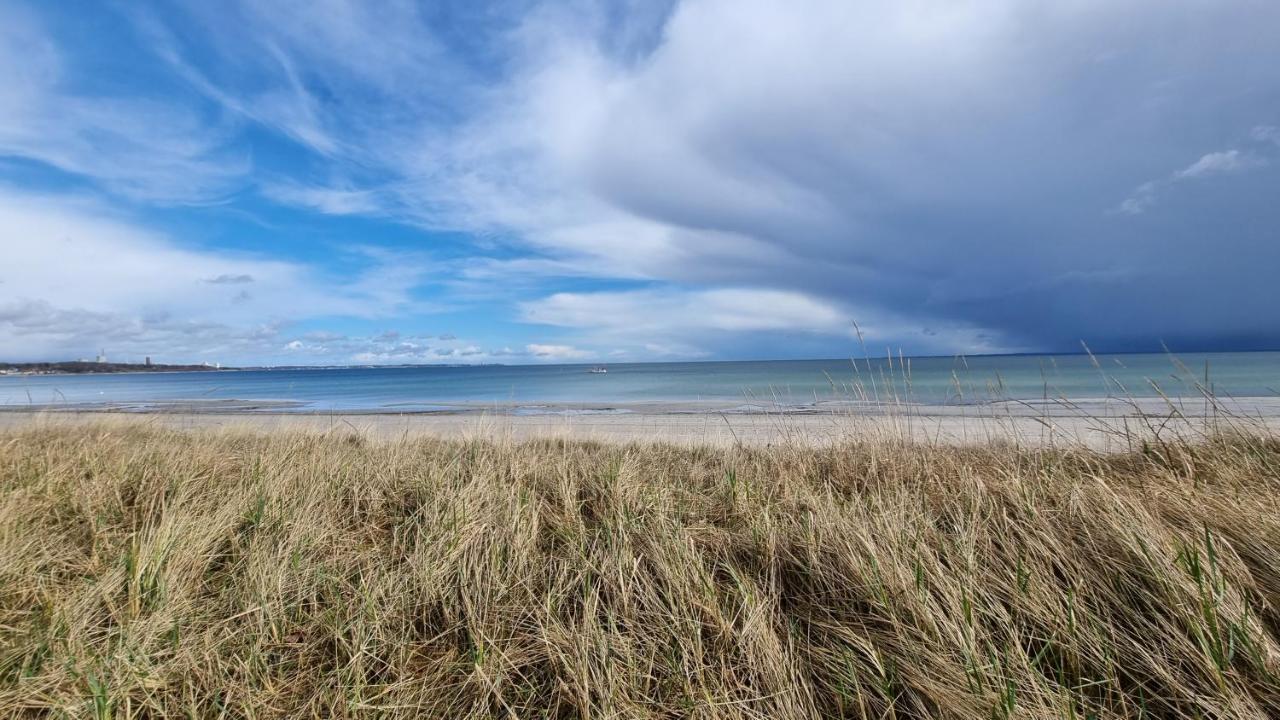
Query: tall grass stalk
(153,573)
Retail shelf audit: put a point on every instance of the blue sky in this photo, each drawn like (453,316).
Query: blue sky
(390,182)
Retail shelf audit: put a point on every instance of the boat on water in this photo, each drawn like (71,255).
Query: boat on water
(597,370)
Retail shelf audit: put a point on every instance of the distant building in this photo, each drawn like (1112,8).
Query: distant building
(102,356)
(147,362)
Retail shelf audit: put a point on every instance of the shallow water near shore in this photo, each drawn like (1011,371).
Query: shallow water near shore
(736,387)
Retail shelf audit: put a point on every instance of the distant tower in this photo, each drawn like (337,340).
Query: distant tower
(102,356)
(147,362)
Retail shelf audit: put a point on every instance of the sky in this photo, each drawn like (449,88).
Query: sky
(352,181)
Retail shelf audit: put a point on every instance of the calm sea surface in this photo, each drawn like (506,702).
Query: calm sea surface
(930,380)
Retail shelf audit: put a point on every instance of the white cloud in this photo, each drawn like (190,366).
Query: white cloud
(38,330)
(1209,165)
(140,147)
(1266,133)
(393,348)
(1141,199)
(693,323)
(1219,163)
(283,65)
(78,276)
(556,352)
(649,311)
(423,351)
(328,200)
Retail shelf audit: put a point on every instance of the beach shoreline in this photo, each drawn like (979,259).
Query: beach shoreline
(1107,424)
(1050,407)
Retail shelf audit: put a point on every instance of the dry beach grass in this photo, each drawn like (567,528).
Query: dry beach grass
(150,572)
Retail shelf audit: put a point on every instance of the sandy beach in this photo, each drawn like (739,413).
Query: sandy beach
(1102,424)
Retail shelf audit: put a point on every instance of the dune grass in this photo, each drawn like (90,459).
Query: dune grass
(153,573)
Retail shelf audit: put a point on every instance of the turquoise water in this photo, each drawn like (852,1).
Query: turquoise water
(930,380)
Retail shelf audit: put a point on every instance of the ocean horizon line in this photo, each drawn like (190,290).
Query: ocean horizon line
(704,361)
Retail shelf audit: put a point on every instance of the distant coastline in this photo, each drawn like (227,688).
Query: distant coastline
(87,367)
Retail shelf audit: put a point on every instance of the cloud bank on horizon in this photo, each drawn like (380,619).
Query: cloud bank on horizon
(563,181)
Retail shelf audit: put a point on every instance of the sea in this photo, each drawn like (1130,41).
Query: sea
(734,386)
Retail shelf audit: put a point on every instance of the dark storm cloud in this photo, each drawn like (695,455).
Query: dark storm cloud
(1036,173)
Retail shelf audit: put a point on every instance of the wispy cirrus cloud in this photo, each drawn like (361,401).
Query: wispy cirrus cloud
(1220,163)
(327,200)
(1266,133)
(152,148)
(1224,162)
